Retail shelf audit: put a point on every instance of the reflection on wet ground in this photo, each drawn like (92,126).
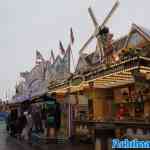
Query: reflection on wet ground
(9,143)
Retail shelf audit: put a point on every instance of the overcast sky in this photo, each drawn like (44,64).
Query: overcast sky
(27,25)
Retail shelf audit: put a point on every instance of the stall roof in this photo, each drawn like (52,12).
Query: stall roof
(116,75)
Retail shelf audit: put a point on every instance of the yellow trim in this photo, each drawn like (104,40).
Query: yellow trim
(126,71)
(107,81)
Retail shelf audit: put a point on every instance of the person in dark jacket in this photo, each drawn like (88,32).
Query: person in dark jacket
(53,116)
(13,122)
(22,121)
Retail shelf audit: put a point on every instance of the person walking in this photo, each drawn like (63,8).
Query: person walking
(21,123)
(26,132)
(36,116)
(53,116)
(13,122)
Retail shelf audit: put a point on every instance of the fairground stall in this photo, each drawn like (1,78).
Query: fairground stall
(111,98)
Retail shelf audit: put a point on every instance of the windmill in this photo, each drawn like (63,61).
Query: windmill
(99,30)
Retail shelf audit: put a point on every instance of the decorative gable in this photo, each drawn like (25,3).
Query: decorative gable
(137,37)
(136,40)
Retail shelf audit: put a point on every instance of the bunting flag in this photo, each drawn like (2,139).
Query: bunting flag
(61,48)
(39,57)
(52,56)
(71,36)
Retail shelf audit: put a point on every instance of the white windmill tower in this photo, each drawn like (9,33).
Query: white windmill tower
(99,29)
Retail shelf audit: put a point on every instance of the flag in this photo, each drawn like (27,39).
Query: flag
(61,48)
(52,56)
(71,36)
(39,57)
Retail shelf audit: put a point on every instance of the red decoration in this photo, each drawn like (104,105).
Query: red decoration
(122,111)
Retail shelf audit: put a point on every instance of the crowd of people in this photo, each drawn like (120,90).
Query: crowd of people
(41,118)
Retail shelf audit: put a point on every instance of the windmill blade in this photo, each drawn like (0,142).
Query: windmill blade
(110,14)
(92,16)
(86,44)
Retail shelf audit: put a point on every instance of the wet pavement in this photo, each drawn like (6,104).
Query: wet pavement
(67,147)
(9,143)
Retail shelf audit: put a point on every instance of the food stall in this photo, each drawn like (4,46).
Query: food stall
(112,97)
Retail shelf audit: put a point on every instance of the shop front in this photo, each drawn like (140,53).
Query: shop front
(112,102)
(111,99)
(117,100)
(63,98)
